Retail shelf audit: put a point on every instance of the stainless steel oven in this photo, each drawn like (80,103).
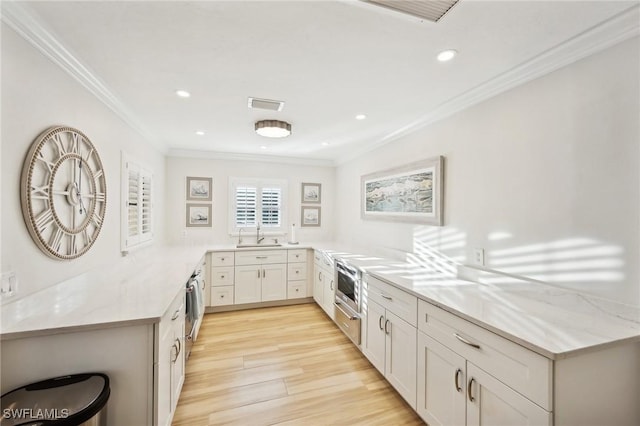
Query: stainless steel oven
(347,300)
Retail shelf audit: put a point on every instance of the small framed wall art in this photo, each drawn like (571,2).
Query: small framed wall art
(198,215)
(311,193)
(199,188)
(310,216)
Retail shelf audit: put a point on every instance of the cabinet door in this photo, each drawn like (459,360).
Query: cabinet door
(165,356)
(318,291)
(373,343)
(491,402)
(329,289)
(400,356)
(274,282)
(441,394)
(248,284)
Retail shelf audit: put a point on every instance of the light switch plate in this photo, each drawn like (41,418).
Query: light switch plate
(9,285)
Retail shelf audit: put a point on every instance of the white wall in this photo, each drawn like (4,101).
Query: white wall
(36,94)
(220,170)
(545,177)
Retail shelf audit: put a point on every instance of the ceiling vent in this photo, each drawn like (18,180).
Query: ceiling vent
(268,104)
(431,10)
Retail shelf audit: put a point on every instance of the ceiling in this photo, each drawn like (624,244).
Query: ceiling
(328,60)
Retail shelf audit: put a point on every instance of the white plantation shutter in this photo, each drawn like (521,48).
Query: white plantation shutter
(256,201)
(137,205)
(246,206)
(271,203)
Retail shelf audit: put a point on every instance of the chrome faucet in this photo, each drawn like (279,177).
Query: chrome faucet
(258,237)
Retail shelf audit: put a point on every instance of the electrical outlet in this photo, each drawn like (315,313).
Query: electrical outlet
(9,286)
(478,256)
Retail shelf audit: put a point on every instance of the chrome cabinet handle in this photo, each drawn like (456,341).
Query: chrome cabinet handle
(386,297)
(386,323)
(465,341)
(261,257)
(178,348)
(380,321)
(264,273)
(258,273)
(455,379)
(331,285)
(319,276)
(176,314)
(471,398)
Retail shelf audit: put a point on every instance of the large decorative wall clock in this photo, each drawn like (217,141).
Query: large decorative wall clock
(63,192)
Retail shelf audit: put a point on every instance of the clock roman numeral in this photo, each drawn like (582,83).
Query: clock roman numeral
(74,143)
(73,246)
(40,192)
(44,220)
(97,220)
(56,239)
(57,140)
(86,237)
(45,161)
(100,197)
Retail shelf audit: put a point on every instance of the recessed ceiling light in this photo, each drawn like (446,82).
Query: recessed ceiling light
(447,55)
(325,143)
(360,117)
(200,133)
(263,147)
(183,93)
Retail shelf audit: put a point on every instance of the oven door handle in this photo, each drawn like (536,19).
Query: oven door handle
(351,317)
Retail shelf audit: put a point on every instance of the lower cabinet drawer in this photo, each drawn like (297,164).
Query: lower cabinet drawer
(297,271)
(296,289)
(222,276)
(221,296)
(523,370)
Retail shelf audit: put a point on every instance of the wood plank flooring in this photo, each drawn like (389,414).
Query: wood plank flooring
(287,365)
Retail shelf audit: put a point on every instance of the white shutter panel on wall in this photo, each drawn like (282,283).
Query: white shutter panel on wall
(137,205)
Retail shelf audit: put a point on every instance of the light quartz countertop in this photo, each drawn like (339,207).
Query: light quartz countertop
(137,292)
(554,322)
(551,321)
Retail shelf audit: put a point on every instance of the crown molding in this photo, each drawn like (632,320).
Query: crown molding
(615,30)
(19,17)
(621,27)
(231,156)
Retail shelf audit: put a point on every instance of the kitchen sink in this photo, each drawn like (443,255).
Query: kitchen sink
(257,245)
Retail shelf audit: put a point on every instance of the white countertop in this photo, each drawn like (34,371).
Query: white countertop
(138,292)
(551,321)
(554,322)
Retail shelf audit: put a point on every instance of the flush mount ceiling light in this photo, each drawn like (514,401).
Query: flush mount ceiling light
(360,117)
(273,128)
(183,93)
(447,55)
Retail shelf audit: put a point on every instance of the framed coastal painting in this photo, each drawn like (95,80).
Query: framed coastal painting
(410,193)
(198,215)
(199,188)
(310,216)
(311,193)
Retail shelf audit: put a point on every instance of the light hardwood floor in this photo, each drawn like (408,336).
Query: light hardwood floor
(288,366)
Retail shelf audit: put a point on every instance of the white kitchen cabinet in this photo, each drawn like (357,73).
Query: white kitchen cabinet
(297,274)
(324,283)
(222,296)
(467,375)
(248,286)
(170,360)
(389,340)
(441,397)
(221,278)
(260,276)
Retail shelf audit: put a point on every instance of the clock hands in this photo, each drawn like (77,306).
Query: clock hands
(79,188)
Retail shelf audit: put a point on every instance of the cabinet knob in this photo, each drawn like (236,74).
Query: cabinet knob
(222,276)
(297,289)
(222,296)
(222,259)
